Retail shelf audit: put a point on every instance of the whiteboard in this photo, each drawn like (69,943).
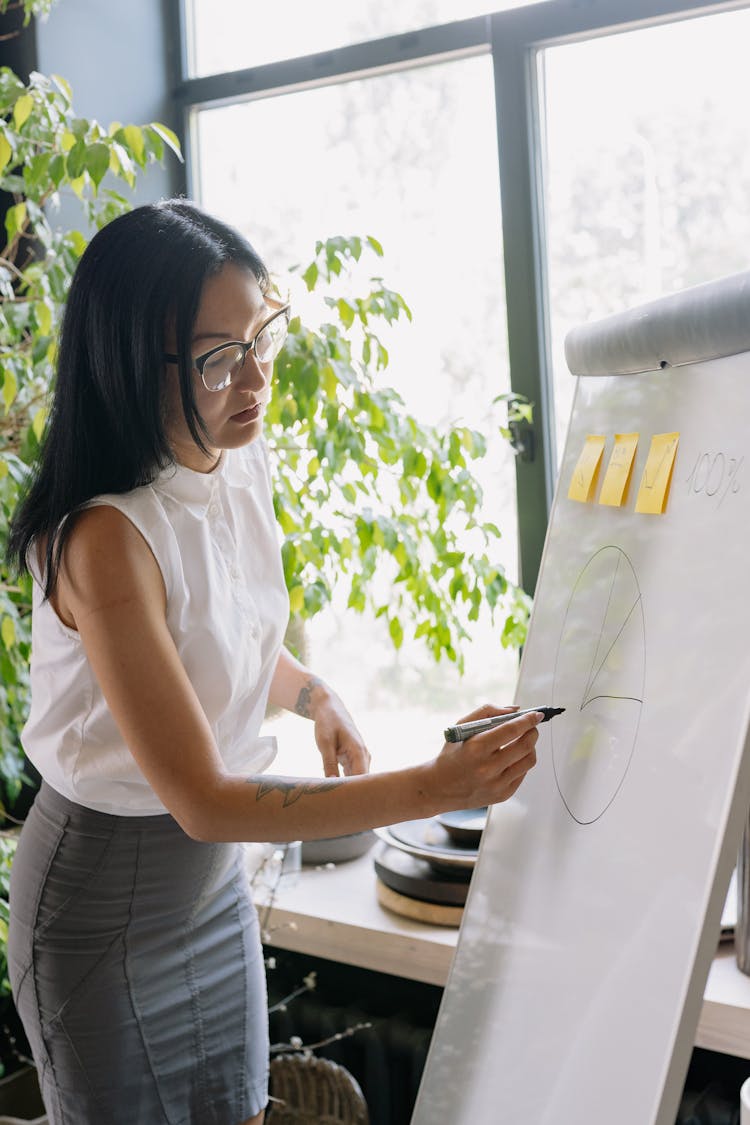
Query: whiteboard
(595,906)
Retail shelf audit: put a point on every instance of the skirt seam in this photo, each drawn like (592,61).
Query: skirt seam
(193,985)
(128,978)
(47,1064)
(79,890)
(241,1084)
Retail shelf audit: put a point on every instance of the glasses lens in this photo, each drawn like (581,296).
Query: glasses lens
(270,340)
(221,366)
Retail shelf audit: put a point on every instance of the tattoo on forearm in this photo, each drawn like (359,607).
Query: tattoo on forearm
(303,705)
(293,790)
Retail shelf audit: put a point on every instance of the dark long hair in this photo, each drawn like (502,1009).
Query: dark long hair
(106,431)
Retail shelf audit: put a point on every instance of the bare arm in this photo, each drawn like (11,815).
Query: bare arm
(112,591)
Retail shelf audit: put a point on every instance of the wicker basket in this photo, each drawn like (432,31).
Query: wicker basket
(310,1091)
(23,1121)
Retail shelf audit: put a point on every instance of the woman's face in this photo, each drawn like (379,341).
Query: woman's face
(232,307)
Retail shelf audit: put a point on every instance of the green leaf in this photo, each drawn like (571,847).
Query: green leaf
(10,388)
(121,164)
(36,172)
(310,276)
(171,139)
(396,631)
(78,184)
(56,169)
(38,422)
(296,599)
(132,138)
(97,161)
(14,220)
(5,151)
(43,317)
(22,110)
(77,160)
(77,241)
(8,632)
(63,86)
(346,313)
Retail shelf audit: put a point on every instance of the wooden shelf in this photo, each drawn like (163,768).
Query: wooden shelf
(725,1017)
(334,913)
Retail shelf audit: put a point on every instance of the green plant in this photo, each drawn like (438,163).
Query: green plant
(365,493)
(45,150)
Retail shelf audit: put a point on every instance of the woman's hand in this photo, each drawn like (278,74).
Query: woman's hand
(489,767)
(337,737)
(340,743)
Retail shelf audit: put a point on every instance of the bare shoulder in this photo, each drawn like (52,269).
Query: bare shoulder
(107,562)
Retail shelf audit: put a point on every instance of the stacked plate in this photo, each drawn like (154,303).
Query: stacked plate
(430,861)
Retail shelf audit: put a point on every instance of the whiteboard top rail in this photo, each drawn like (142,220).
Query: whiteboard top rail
(705,322)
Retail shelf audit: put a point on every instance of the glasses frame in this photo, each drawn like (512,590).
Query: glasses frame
(200,361)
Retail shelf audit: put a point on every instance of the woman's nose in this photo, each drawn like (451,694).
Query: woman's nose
(252,374)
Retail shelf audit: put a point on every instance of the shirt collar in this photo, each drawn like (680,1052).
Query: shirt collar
(198,489)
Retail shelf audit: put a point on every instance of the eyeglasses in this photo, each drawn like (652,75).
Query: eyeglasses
(218,366)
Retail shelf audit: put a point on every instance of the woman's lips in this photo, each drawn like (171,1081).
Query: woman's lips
(248,415)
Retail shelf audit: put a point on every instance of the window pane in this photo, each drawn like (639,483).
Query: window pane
(648,169)
(229,35)
(361,158)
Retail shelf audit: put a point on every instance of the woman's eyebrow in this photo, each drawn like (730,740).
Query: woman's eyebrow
(262,315)
(212,336)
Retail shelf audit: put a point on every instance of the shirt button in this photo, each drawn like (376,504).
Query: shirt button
(235,573)
(214,509)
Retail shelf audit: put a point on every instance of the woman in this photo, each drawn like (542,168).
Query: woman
(159,614)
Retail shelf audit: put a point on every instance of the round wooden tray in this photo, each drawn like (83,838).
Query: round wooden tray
(418,911)
(416,878)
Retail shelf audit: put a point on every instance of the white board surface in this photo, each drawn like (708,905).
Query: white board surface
(595,907)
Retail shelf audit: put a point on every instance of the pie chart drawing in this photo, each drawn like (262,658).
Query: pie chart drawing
(600,672)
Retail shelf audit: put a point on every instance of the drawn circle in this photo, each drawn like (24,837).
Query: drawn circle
(600,673)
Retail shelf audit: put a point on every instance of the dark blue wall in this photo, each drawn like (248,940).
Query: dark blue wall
(121,59)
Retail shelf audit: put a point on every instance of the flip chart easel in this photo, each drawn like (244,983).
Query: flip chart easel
(595,907)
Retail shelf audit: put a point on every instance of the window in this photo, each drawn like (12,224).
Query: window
(361,158)
(289,28)
(647,182)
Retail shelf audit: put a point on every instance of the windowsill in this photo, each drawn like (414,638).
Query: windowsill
(334,913)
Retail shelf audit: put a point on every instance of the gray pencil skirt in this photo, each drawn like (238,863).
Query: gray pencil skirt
(137,969)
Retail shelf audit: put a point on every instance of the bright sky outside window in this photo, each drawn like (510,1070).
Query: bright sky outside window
(648,181)
(230,35)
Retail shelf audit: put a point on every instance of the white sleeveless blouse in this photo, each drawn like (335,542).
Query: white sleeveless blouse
(215,539)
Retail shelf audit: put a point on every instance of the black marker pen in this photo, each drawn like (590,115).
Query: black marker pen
(465,730)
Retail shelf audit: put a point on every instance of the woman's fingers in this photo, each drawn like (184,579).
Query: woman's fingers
(489,767)
(486,711)
(494,763)
(516,772)
(496,738)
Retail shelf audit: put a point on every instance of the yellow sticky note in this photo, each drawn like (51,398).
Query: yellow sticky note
(619,471)
(583,481)
(657,475)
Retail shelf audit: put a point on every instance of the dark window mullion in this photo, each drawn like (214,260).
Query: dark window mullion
(519,148)
(431,45)
(545,24)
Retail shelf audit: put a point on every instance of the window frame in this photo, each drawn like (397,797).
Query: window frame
(514,38)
